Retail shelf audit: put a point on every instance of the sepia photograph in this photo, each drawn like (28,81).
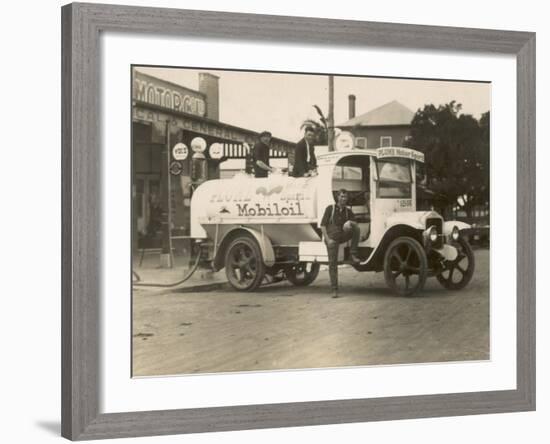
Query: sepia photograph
(295,221)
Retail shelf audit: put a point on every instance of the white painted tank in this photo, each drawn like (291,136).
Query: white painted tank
(277,199)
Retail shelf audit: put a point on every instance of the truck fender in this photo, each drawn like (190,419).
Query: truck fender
(375,262)
(268,254)
(450,224)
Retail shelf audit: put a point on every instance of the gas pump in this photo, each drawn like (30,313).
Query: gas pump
(199,166)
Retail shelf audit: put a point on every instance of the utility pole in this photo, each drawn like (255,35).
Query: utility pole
(330,132)
(166,251)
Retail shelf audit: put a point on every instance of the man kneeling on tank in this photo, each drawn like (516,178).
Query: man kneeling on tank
(338,226)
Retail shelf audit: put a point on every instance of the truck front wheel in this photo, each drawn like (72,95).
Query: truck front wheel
(244,266)
(405,266)
(458,273)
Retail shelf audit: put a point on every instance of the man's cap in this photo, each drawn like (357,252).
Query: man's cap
(265,133)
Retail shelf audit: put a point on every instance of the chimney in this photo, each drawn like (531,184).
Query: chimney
(209,85)
(351,109)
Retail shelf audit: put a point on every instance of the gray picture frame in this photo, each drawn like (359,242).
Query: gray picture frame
(81,175)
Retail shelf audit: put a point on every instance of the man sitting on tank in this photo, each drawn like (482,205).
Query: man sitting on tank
(305,161)
(338,226)
(261,155)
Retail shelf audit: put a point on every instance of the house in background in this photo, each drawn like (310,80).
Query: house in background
(387,125)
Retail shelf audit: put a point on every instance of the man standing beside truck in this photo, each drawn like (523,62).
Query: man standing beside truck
(338,226)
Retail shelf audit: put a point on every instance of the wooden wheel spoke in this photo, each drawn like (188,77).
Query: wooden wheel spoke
(238,274)
(408,256)
(248,265)
(462,271)
(407,282)
(246,273)
(451,271)
(463,261)
(459,258)
(235,262)
(397,256)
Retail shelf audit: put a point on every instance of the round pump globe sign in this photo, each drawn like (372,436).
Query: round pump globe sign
(198,145)
(180,151)
(216,151)
(345,141)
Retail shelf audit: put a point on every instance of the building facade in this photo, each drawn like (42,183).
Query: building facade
(178,143)
(387,125)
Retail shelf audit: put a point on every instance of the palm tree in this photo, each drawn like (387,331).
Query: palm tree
(319,127)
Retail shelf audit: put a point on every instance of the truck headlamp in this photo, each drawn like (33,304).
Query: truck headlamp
(455,234)
(432,233)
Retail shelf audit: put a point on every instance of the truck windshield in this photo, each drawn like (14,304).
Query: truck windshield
(394,178)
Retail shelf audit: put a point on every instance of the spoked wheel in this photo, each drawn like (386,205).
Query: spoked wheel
(244,266)
(302,273)
(405,266)
(458,273)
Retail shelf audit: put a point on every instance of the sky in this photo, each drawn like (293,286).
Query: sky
(280,102)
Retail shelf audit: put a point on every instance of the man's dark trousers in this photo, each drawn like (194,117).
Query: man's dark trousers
(333,247)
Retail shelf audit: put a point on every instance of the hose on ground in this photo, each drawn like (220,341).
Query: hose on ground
(175,284)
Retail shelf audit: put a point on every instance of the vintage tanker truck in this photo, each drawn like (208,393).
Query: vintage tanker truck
(269,229)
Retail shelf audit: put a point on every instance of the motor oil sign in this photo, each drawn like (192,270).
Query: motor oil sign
(269,199)
(180,151)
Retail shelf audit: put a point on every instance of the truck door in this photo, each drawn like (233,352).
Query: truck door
(393,190)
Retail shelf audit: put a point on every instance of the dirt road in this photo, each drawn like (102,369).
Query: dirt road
(286,327)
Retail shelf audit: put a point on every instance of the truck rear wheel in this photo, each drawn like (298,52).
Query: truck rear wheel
(405,266)
(244,266)
(302,273)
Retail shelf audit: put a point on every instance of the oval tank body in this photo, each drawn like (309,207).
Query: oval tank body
(245,200)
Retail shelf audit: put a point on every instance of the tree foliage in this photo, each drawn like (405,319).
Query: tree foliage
(319,127)
(456,148)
